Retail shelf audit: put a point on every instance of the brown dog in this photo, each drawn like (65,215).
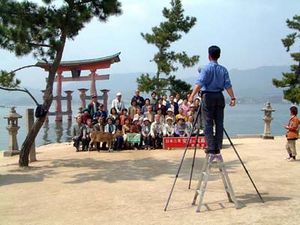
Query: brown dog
(99,136)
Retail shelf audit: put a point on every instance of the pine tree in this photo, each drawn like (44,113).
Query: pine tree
(291,80)
(42,30)
(166,60)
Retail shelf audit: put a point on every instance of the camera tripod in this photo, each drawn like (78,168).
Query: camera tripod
(198,116)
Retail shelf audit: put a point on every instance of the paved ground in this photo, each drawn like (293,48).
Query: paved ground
(131,187)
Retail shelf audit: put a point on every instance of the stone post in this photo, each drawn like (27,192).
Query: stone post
(12,127)
(82,96)
(69,104)
(93,83)
(29,122)
(267,118)
(105,98)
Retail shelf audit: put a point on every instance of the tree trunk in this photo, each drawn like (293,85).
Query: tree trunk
(48,97)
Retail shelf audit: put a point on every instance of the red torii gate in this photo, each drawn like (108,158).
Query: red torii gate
(75,67)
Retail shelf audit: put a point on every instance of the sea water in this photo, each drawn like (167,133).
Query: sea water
(243,119)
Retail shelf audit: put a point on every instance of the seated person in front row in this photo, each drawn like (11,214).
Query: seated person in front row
(157,132)
(77,132)
(180,128)
(110,127)
(119,140)
(146,136)
(87,130)
(134,137)
(169,127)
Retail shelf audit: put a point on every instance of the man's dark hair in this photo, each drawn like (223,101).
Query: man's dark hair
(214,52)
(294,110)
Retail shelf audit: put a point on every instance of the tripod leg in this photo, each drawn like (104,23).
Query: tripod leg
(243,166)
(183,156)
(194,157)
(178,171)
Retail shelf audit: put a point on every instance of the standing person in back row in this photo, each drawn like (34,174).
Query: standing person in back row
(212,80)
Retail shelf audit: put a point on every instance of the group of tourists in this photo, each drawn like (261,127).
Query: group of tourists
(140,126)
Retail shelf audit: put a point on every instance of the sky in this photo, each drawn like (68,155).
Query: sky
(248,32)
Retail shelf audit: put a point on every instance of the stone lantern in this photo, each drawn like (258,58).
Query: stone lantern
(267,118)
(12,127)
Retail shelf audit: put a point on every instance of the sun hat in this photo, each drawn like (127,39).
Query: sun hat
(146,119)
(169,118)
(169,110)
(119,94)
(180,118)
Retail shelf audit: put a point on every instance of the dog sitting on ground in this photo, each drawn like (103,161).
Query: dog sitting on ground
(99,136)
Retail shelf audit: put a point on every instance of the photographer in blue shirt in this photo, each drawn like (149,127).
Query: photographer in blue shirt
(212,81)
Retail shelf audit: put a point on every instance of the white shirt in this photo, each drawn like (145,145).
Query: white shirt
(119,105)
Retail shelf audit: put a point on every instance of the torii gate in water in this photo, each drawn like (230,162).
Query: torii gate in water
(75,67)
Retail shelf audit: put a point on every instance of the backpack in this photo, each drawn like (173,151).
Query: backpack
(40,111)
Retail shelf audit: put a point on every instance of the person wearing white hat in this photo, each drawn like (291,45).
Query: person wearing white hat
(170,113)
(117,103)
(169,127)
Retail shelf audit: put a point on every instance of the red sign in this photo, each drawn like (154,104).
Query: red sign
(181,142)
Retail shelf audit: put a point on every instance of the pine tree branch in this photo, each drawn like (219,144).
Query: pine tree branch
(39,45)
(82,2)
(23,67)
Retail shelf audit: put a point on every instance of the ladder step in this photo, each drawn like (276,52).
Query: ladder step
(213,162)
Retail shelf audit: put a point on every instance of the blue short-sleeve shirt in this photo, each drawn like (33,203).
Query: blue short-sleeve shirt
(213,78)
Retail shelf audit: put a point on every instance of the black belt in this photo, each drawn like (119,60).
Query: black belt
(210,92)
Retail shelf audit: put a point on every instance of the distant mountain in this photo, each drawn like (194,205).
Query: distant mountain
(255,85)
(251,86)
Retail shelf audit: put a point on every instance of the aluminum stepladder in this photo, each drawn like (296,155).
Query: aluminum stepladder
(213,161)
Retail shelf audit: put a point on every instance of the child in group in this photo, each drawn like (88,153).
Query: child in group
(146,137)
(292,134)
(169,127)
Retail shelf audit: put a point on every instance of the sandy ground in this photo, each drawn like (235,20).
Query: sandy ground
(131,187)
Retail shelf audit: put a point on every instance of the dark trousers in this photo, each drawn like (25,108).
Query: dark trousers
(77,141)
(213,105)
(118,143)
